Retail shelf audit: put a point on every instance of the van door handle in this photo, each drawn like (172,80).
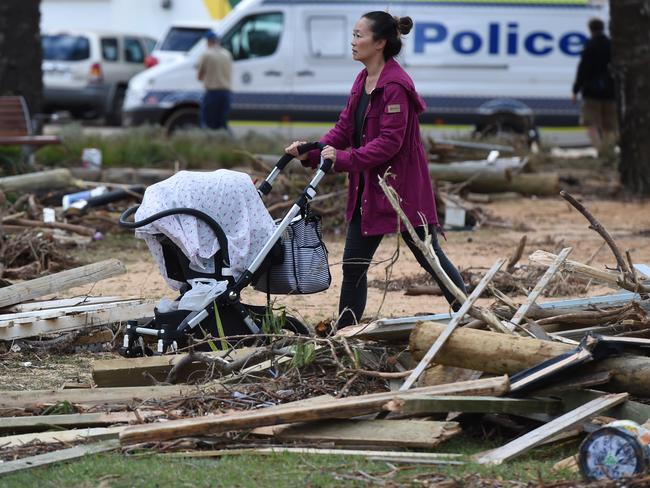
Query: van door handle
(272,73)
(305,73)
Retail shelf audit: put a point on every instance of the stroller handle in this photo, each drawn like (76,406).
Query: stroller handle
(216,228)
(266,186)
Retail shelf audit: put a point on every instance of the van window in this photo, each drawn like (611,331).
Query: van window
(133,52)
(327,36)
(182,38)
(109,49)
(255,36)
(65,48)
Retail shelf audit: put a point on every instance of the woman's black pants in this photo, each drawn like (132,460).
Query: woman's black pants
(358,253)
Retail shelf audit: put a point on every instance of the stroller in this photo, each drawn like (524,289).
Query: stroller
(292,260)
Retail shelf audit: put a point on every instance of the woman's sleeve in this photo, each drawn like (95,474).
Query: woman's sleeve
(392,127)
(337,137)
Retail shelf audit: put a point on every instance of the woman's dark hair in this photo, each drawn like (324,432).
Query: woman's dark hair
(385,26)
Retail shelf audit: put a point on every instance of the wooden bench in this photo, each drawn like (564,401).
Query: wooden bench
(16,128)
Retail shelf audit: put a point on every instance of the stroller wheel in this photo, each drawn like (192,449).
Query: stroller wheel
(296,326)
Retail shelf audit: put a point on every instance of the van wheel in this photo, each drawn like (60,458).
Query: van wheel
(508,126)
(115,117)
(183,118)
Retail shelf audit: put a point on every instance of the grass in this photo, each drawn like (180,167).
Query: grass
(149,146)
(285,470)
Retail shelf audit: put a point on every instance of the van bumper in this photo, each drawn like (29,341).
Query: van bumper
(143,116)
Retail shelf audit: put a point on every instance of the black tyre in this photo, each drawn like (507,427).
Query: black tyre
(182,118)
(114,118)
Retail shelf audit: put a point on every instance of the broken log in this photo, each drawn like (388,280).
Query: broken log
(58,282)
(482,180)
(496,353)
(41,180)
(336,409)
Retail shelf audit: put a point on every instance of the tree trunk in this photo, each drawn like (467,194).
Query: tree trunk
(20,51)
(630,30)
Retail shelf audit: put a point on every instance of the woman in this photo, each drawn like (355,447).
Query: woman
(378,131)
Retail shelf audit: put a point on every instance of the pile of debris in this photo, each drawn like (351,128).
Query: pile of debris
(51,217)
(390,390)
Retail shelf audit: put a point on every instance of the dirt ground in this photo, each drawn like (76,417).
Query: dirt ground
(549,222)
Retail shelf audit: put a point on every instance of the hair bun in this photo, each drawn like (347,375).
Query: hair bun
(404,25)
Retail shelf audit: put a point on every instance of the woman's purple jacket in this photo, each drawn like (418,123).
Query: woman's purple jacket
(390,142)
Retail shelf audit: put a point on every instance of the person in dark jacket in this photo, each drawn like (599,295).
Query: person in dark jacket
(378,133)
(594,81)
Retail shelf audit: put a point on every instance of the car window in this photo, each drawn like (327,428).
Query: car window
(149,44)
(110,51)
(327,36)
(133,52)
(65,47)
(182,38)
(255,36)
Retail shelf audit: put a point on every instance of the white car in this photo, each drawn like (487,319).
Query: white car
(179,39)
(86,73)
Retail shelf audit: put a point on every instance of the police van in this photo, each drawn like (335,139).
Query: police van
(469,59)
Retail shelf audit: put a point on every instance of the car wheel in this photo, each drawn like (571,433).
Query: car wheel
(182,118)
(115,117)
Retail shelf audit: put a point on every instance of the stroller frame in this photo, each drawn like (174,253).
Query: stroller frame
(170,337)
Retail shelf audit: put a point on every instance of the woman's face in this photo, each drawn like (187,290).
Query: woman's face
(364,47)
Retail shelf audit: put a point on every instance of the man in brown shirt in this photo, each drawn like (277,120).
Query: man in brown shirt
(215,71)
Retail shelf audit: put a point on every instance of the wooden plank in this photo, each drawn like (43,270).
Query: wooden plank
(539,287)
(131,371)
(390,433)
(62,303)
(10,319)
(395,456)
(535,437)
(629,410)
(337,409)
(58,282)
(119,313)
(65,436)
(79,420)
(58,456)
(428,404)
(442,338)
(101,396)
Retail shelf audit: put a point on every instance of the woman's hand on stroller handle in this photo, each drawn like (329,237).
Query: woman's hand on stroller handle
(293,150)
